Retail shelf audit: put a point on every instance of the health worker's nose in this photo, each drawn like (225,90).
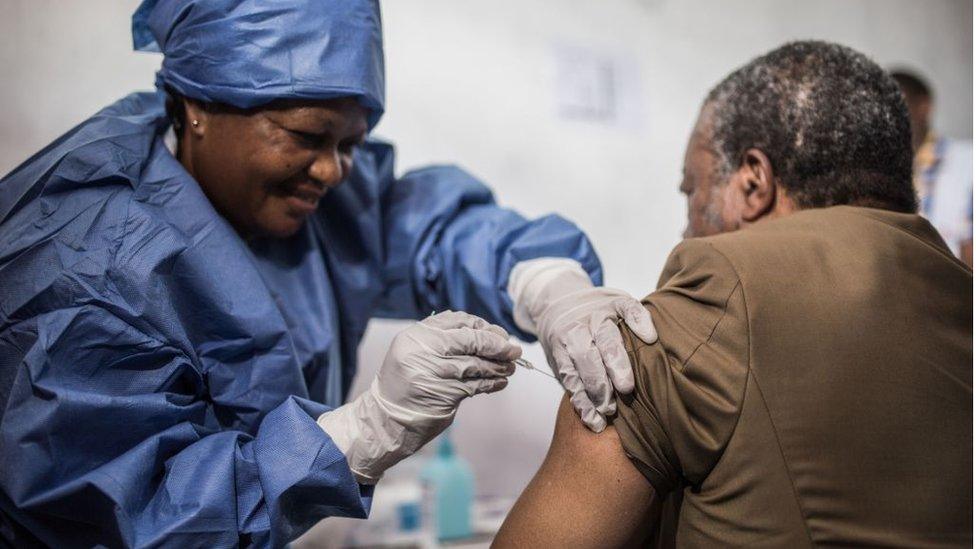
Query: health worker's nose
(331,167)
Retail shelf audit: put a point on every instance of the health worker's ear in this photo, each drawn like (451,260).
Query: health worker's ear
(197,117)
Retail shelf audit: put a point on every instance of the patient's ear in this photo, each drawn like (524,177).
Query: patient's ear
(754,186)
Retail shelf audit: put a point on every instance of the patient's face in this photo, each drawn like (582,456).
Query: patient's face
(709,209)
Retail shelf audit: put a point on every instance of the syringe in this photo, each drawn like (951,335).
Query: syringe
(528,366)
(519,361)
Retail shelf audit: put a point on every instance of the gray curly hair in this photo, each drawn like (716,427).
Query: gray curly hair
(833,124)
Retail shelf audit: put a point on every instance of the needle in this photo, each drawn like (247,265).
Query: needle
(528,366)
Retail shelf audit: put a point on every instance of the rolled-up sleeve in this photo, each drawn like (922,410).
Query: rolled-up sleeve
(690,383)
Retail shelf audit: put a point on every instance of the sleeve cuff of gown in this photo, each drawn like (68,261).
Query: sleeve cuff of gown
(304,476)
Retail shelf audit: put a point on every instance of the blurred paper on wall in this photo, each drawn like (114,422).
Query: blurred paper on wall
(596,87)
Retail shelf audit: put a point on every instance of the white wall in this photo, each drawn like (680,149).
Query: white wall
(472,82)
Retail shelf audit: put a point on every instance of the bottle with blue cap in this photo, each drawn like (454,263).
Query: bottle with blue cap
(449,491)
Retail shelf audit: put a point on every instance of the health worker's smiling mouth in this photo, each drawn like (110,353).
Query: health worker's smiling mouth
(304,198)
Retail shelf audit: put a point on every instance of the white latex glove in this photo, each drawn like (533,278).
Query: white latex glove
(576,323)
(430,368)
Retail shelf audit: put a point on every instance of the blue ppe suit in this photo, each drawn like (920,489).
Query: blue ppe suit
(160,378)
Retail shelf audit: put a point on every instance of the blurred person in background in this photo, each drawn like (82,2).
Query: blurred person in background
(185,278)
(943,169)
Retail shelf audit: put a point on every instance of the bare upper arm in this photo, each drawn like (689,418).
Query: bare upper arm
(587,493)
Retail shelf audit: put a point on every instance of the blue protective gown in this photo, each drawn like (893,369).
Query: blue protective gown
(160,378)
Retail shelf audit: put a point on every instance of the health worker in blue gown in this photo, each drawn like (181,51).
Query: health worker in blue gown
(185,278)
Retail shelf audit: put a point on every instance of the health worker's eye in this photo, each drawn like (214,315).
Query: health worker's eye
(308,138)
(348,145)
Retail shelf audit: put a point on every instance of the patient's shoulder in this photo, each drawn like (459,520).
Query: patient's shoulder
(689,384)
(695,258)
(794,241)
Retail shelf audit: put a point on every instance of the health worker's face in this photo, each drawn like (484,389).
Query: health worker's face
(266,169)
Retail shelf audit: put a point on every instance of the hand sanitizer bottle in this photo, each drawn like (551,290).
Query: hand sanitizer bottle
(449,491)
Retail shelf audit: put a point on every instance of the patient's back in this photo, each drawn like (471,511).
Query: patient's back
(812,385)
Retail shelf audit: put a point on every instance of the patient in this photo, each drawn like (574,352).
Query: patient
(812,384)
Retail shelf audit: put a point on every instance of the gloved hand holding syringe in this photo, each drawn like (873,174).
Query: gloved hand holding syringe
(521,362)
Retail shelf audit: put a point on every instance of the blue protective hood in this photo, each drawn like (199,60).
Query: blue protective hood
(247,53)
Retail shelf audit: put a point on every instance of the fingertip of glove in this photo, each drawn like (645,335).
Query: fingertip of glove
(498,385)
(625,389)
(596,425)
(593,420)
(514,351)
(644,329)
(623,380)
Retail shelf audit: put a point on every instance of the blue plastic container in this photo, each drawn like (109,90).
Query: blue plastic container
(450,491)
